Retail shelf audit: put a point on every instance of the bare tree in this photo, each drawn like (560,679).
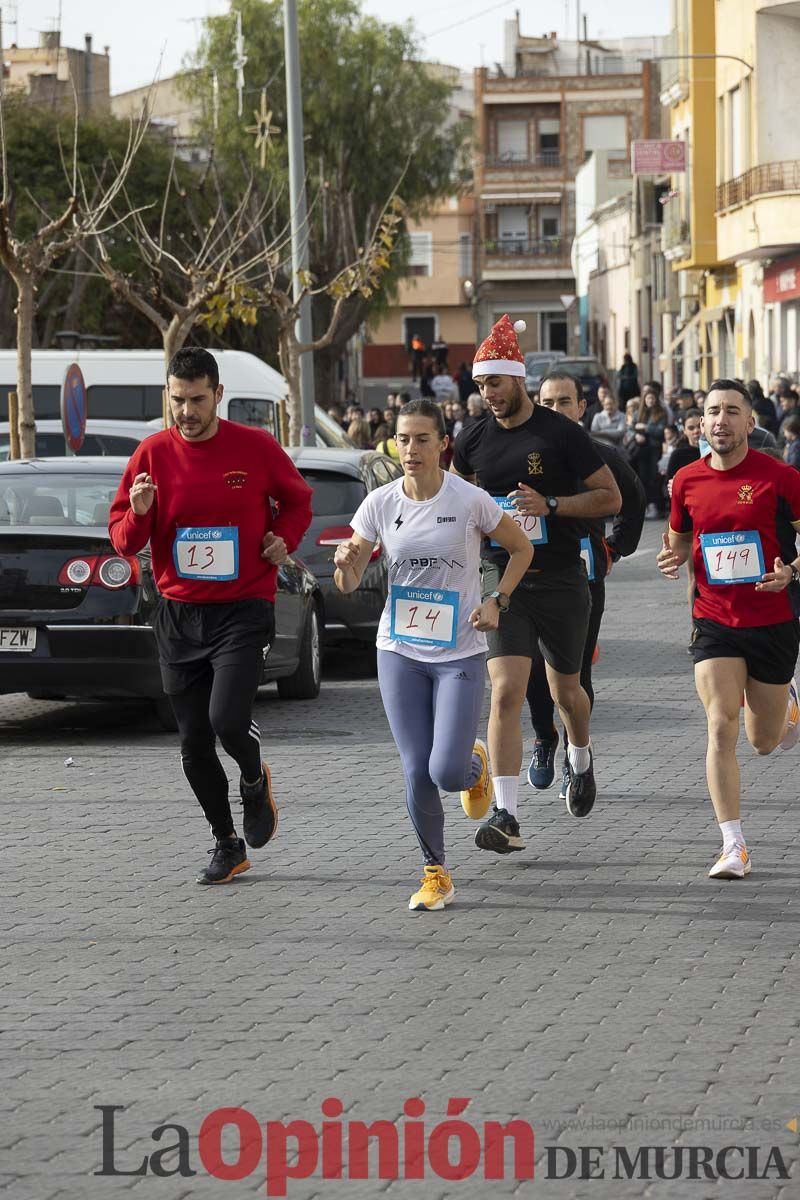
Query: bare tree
(28,259)
(359,280)
(185,278)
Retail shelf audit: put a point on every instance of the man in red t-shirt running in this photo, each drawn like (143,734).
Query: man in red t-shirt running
(200,492)
(737,512)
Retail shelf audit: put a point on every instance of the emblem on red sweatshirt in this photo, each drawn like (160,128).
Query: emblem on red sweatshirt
(235,479)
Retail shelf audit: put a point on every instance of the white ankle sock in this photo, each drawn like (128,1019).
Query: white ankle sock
(731,834)
(579,757)
(505,792)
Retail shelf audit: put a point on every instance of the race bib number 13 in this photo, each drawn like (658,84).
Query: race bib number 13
(424,616)
(733,557)
(211,552)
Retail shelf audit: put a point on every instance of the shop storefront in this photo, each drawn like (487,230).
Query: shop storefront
(782,311)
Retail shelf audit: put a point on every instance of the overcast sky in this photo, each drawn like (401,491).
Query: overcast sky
(461,32)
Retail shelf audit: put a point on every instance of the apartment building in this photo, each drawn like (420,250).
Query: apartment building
(701,344)
(757,197)
(539,115)
(433,300)
(56,76)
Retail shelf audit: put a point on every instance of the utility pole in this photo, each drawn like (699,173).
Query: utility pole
(297,199)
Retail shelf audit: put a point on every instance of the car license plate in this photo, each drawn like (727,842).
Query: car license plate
(17,639)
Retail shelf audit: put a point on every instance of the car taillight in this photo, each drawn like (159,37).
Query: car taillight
(110,571)
(335,534)
(115,572)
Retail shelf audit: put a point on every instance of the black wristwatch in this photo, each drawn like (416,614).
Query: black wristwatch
(795,574)
(501,599)
(552,505)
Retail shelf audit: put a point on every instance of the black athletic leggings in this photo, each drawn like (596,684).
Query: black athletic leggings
(539,699)
(220,705)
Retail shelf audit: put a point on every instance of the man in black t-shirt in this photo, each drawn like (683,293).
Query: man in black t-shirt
(561,392)
(544,469)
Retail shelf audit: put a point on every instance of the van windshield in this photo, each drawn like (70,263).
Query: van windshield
(329,433)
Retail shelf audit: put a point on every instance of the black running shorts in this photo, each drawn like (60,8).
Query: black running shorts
(770,651)
(549,612)
(193,638)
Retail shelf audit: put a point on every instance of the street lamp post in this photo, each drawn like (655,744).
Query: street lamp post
(297,200)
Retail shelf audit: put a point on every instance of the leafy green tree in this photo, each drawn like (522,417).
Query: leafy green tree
(376,120)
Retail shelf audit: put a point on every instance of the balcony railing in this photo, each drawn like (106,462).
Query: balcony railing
(764,180)
(513,248)
(545,158)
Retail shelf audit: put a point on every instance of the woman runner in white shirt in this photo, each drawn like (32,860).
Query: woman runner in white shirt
(431,644)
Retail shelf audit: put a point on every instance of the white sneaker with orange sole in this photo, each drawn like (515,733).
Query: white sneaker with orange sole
(733,863)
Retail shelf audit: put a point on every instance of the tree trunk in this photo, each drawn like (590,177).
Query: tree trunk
(174,337)
(326,361)
(26,307)
(290,368)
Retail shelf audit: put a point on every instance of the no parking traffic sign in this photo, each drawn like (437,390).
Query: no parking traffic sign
(73,407)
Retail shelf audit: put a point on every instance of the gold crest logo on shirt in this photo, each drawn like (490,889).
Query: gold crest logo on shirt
(235,479)
(745,494)
(535,464)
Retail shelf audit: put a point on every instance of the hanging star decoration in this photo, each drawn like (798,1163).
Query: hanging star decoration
(263,128)
(240,61)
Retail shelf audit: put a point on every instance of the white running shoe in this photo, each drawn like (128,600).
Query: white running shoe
(733,863)
(793,728)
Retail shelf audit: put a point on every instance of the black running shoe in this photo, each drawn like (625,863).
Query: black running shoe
(500,833)
(562,795)
(541,771)
(260,815)
(581,790)
(228,858)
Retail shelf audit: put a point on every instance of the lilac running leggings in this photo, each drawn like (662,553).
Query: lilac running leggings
(433,711)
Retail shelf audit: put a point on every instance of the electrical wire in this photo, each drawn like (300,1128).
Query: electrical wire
(465,20)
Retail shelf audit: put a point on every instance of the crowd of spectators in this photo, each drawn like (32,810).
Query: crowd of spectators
(375,428)
(657,434)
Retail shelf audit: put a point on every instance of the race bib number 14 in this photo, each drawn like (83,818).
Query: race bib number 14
(733,557)
(424,616)
(211,552)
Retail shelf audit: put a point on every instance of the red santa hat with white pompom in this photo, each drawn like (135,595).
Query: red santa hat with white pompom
(499,353)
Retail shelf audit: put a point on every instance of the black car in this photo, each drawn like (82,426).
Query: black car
(75,615)
(591,373)
(341,479)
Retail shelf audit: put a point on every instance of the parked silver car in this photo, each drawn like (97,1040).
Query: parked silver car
(341,479)
(116,438)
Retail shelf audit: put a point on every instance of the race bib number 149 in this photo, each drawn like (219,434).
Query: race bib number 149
(733,557)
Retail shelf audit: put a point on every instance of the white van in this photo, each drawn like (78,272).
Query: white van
(129,385)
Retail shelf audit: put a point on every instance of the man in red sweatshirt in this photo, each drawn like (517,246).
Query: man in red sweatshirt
(200,493)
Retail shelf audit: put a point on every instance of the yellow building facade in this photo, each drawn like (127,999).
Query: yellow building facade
(757,195)
(702,338)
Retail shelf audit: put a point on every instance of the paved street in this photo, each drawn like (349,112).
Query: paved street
(597,986)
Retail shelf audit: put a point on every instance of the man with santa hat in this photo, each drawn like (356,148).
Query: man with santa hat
(543,469)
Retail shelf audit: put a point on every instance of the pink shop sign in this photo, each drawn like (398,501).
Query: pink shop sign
(657,157)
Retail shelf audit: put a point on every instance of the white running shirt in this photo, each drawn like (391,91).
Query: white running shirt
(431,544)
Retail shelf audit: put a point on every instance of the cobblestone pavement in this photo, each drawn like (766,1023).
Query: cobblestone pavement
(597,986)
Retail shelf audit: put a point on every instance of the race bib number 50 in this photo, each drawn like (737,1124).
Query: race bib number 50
(424,616)
(733,557)
(211,552)
(534,528)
